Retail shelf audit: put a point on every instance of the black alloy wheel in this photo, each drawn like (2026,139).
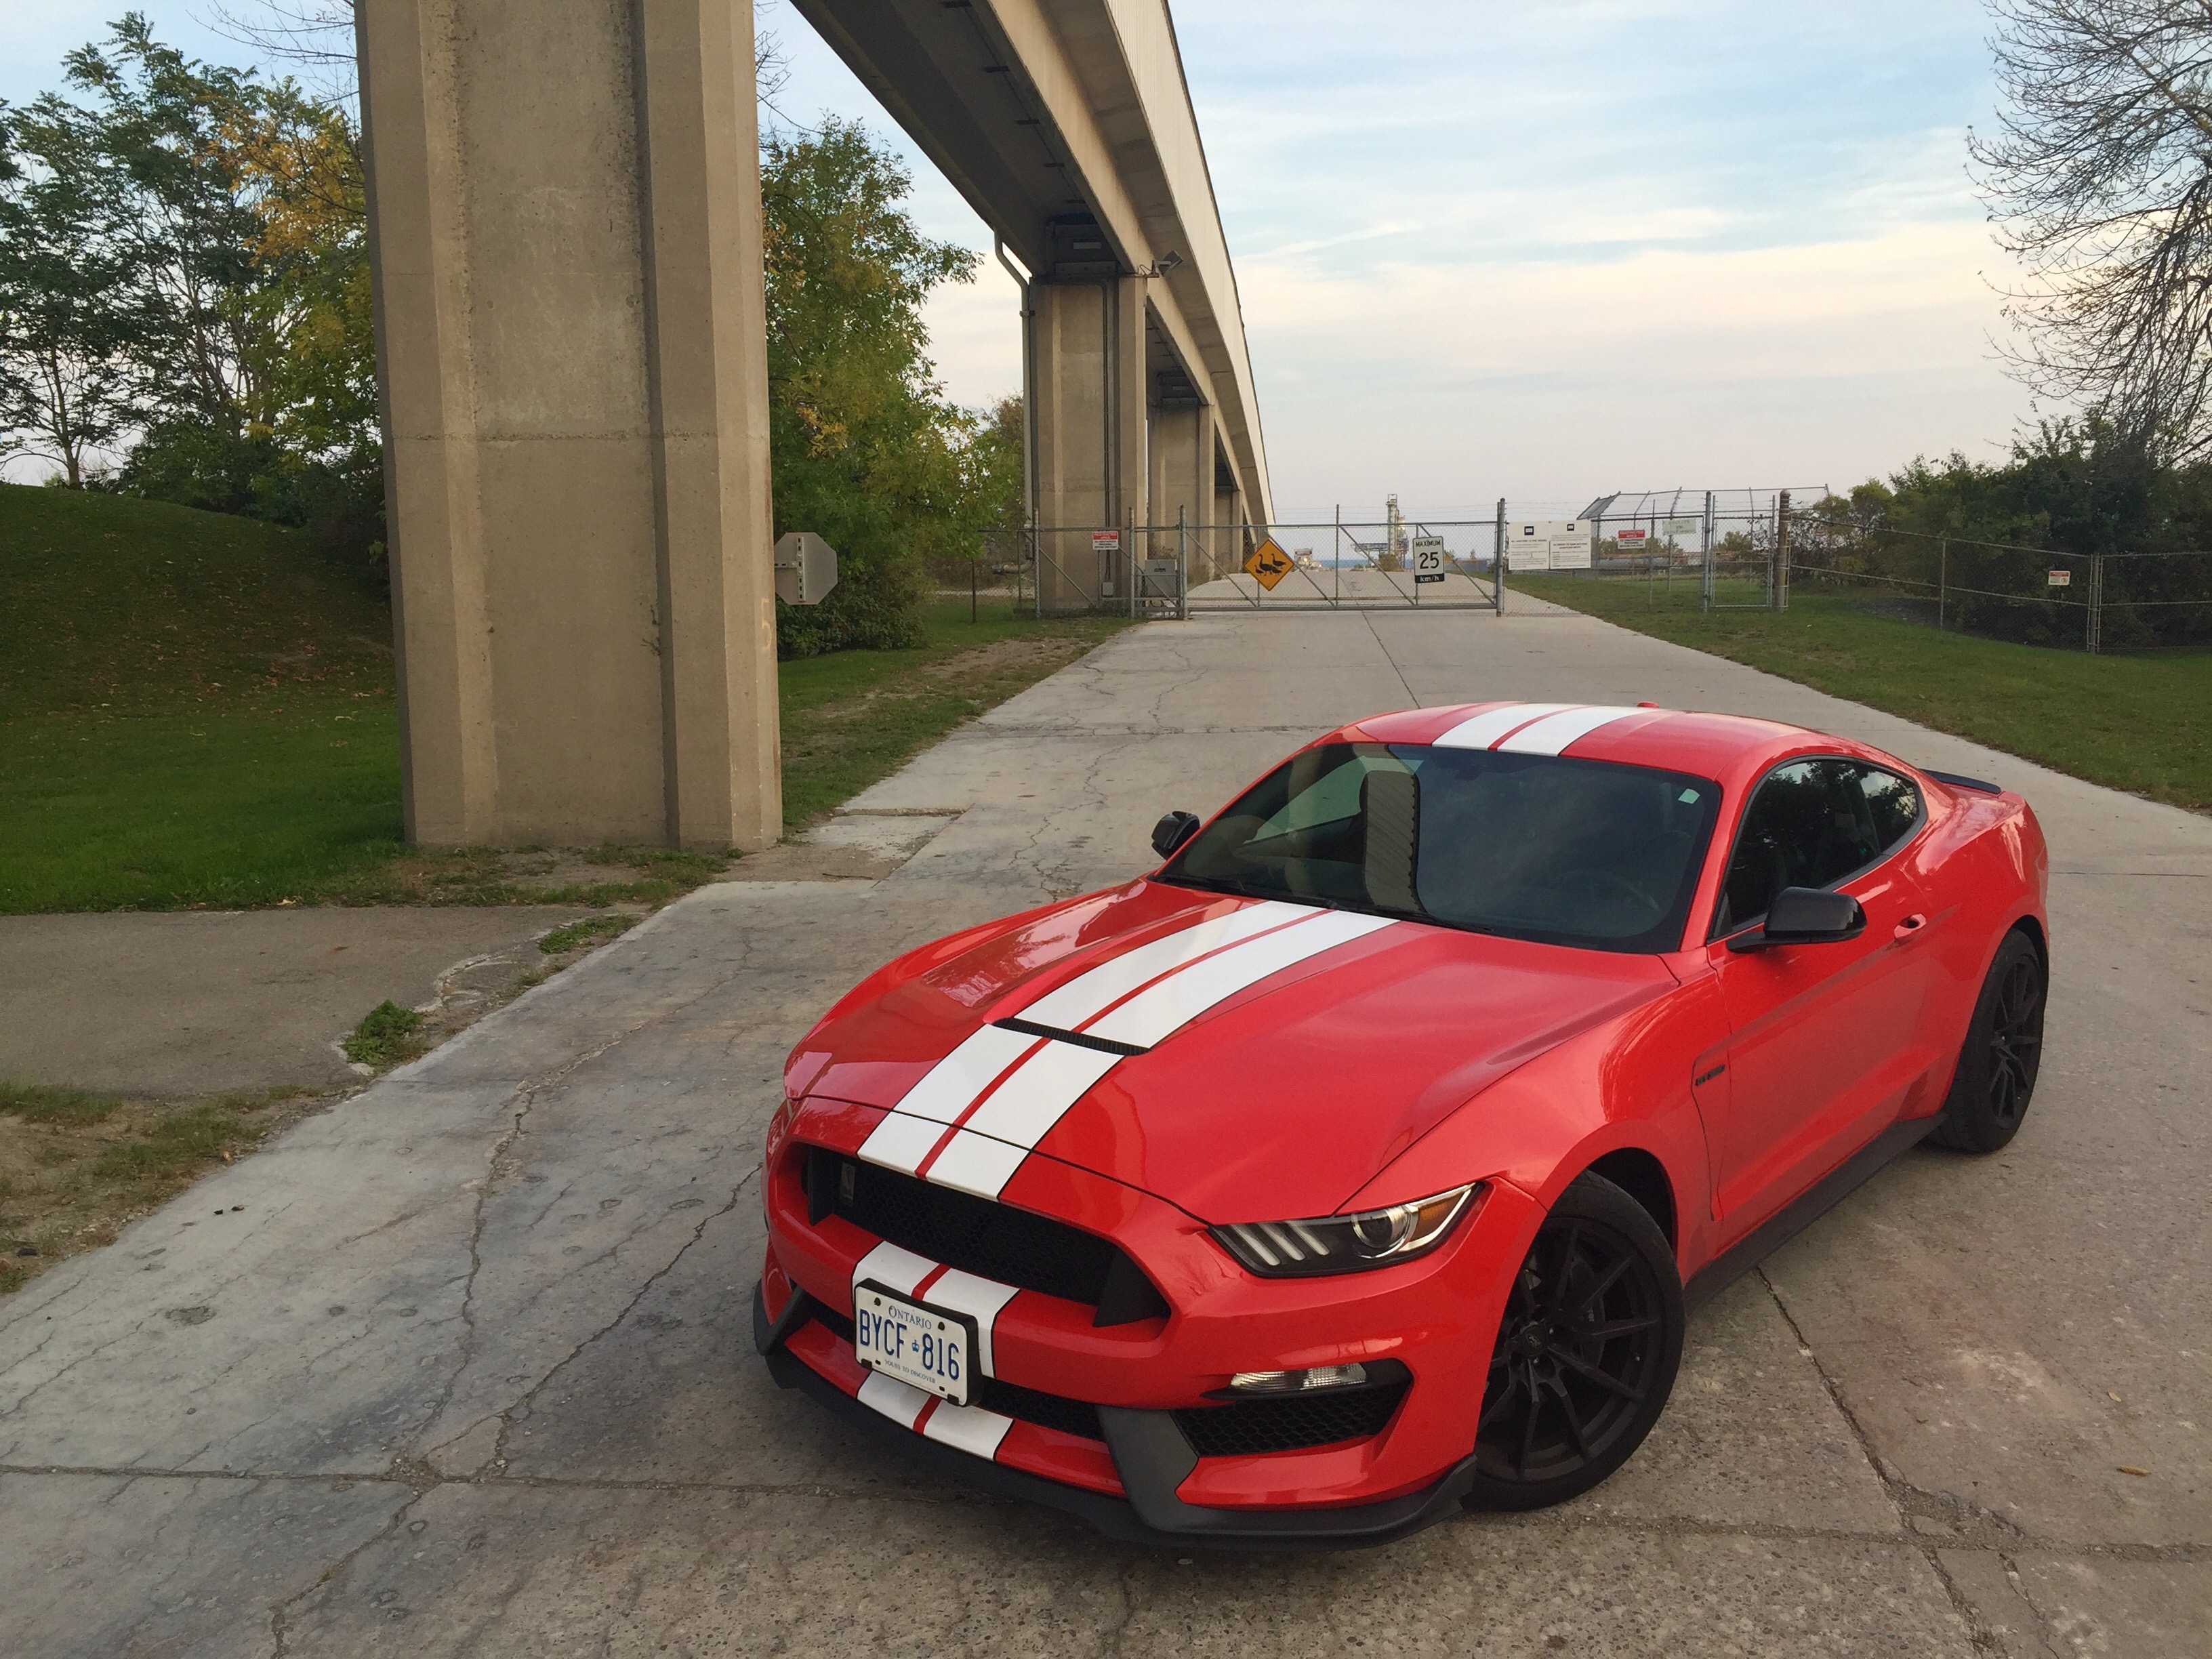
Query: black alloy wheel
(2004,1052)
(1586,1354)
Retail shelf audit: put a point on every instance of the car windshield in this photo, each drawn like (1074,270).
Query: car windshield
(1537,847)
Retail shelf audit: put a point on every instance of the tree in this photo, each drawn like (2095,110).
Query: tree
(2100,175)
(68,315)
(866,451)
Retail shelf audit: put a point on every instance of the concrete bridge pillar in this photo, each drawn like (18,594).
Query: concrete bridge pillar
(566,240)
(1087,358)
(1182,481)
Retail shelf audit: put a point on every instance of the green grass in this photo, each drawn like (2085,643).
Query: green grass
(585,932)
(384,1034)
(854,718)
(2141,723)
(46,1103)
(197,711)
(115,604)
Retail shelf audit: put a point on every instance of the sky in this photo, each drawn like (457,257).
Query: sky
(1540,249)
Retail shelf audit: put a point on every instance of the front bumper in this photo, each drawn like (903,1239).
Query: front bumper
(1152,1458)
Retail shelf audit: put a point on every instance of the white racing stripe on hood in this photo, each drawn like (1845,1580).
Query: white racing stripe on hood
(1554,733)
(950,1087)
(1480,731)
(1082,997)
(1153,1013)
(976,1164)
(993,1138)
(1038,1096)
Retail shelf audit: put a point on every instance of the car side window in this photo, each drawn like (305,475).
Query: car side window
(1811,823)
(1893,802)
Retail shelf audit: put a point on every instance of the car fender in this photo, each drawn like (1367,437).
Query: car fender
(1623,1085)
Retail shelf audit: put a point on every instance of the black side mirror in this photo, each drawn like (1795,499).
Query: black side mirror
(1171,831)
(1805,915)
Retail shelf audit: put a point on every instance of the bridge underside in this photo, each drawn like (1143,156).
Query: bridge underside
(1067,126)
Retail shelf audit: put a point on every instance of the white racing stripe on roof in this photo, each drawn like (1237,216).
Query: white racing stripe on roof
(1480,731)
(1554,733)
(970,1428)
(1082,997)
(1151,1015)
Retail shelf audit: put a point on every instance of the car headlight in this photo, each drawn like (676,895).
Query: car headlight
(1346,1243)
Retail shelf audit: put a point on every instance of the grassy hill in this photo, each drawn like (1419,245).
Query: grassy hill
(198,710)
(109,601)
(194,709)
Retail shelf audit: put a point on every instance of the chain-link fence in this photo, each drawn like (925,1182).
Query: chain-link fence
(2035,596)
(1183,568)
(1741,549)
(1703,549)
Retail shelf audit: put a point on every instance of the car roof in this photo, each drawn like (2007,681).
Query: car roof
(1721,747)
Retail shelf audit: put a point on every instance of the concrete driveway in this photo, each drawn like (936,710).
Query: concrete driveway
(465,1366)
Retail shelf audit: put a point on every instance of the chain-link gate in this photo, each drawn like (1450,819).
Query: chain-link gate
(1185,569)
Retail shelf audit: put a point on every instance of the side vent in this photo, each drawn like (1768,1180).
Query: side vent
(1127,1296)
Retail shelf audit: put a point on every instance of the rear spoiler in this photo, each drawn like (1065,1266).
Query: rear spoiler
(1957,783)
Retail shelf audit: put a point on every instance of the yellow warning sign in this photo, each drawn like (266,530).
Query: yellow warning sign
(1269,564)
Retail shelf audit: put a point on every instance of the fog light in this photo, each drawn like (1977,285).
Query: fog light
(1320,1377)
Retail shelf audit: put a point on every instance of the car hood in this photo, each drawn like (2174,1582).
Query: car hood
(1279,1099)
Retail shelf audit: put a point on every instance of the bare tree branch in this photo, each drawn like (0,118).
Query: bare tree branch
(2099,177)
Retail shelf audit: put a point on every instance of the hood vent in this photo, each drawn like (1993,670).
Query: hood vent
(1080,1039)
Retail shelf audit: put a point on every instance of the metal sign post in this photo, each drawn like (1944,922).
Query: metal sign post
(1498,564)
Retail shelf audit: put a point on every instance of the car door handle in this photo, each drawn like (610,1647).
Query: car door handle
(1909,928)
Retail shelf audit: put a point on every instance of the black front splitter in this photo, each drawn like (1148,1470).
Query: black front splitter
(1153,1459)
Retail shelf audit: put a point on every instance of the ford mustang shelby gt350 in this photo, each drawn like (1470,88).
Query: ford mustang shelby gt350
(1362,1160)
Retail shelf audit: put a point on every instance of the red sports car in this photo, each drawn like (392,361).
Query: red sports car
(1363,1160)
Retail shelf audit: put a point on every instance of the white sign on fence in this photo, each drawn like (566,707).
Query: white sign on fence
(1549,545)
(2061,579)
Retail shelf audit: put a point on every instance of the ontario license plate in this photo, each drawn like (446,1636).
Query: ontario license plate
(931,1348)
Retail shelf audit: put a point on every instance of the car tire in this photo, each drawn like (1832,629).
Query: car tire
(1585,1355)
(2004,1051)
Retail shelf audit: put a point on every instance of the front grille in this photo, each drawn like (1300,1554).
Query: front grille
(996,1241)
(1297,1423)
(1047,1411)
(1241,1429)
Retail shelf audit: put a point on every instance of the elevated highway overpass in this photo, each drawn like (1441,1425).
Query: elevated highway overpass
(1068,126)
(565,229)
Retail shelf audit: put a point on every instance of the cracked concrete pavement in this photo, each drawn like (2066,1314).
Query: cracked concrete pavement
(189,1002)
(471,1370)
